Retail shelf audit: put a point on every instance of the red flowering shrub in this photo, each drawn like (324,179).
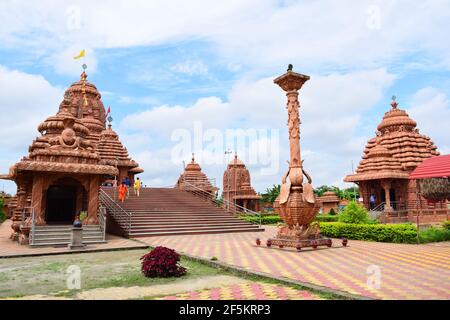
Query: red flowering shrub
(162,262)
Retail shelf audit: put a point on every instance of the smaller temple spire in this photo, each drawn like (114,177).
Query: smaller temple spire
(394,103)
(193,157)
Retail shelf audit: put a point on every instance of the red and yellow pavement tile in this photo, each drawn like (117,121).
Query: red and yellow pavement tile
(246,291)
(405,271)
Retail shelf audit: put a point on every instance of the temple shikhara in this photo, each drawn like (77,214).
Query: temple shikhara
(384,171)
(237,188)
(66,166)
(194,180)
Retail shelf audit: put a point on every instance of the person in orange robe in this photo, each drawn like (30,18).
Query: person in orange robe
(122,192)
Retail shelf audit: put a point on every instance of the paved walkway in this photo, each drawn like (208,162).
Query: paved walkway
(407,271)
(246,291)
(10,248)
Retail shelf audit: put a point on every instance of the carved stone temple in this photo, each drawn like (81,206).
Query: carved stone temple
(298,206)
(195,181)
(383,173)
(237,187)
(67,164)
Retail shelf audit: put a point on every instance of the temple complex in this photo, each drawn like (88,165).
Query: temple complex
(237,188)
(195,181)
(388,159)
(67,163)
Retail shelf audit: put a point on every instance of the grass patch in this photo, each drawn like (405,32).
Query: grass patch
(133,276)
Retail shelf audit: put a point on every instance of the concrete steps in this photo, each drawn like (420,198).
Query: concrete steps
(59,235)
(170,211)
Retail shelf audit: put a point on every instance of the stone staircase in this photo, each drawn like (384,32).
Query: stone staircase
(59,235)
(170,211)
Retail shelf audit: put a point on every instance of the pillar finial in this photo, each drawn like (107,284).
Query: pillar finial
(394,103)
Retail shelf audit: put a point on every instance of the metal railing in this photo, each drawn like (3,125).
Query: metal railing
(122,217)
(223,203)
(102,220)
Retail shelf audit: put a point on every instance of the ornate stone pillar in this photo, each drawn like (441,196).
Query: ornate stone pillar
(94,186)
(365,193)
(386,184)
(21,203)
(297,202)
(36,199)
(291,82)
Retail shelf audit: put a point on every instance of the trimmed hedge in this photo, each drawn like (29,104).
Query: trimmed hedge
(265,219)
(398,233)
(446,224)
(327,218)
(434,234)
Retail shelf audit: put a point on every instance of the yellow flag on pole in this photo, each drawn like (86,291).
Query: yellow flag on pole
(82,54)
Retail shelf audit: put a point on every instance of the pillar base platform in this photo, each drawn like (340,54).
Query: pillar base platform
(299,244)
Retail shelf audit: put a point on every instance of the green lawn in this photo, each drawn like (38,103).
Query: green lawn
(47,275)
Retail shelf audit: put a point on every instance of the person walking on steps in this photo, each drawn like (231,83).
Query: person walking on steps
(137,187)
(128,184)
(122,191)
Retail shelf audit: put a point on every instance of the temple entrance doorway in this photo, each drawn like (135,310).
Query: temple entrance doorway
(392,197)
(61,204)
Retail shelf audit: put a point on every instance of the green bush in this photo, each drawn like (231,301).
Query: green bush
(446,224)
(2,214)
(434,234)
(265,219)
(332,212)
(399,233)
(326,218)
(354,213)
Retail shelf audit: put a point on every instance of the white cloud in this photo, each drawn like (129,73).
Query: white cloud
(431,109)
(25,101)
(191,68)
(64,63)
(262,34)
(331,108)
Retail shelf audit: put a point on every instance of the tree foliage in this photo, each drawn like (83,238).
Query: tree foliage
(2,214)
(271,193)
(354,213)
(348,193)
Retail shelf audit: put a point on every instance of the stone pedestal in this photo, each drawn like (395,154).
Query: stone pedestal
(76,239)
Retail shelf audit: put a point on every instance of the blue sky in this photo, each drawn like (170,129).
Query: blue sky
(165,66)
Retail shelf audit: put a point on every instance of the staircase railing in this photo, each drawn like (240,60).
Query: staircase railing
(122,217)
(222,203)
(102,220)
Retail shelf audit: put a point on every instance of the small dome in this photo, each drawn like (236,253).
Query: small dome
(236,162)
(396,117)
(193,166)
